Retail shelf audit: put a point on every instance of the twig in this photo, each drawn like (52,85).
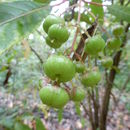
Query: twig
(40,33)
(114,98)
(90,13)
(90,111)
(67,89)
(38,56)
(9,73)
(77,30)
(85,109)
(95,105)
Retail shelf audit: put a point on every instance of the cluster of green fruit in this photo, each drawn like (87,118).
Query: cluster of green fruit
(115,43)
(57,97)
(57,32)
(61,69)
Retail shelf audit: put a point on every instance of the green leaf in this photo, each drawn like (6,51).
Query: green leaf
(98,10)
(121,12)
(15,10)
(39,124)
(21,126)
(18,19)
(7,122)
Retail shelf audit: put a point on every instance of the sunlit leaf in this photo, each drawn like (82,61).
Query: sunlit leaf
(18,19)
(97,10)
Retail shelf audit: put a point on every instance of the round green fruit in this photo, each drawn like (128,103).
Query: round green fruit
(50,20)
(80,68)
(53,43)
(59,68)
(118,30)
(114,43)
(78,95)
(54,96)
(94,45)
(107,62)
(58,32)
(91,78)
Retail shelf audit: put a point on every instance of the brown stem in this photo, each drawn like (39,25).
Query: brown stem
(7,76)
(90,111)
(95,104)
(38,56)
(77,29)
(85,109)
(80,47)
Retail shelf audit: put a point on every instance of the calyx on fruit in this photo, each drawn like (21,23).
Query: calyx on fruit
(118,30)
(60,68)
(94,45)
(114,43)
(53,43)
(91,78)
(107,62)
(58,32)
(50,20)
(54,96)
(80,67)
(77,94)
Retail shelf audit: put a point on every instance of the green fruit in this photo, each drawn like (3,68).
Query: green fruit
(54,96)
(50,20)
(94,45)
(78,95)
(53,43)
(80,68)
(59,68)
(58,32)
(114,43)
(91,78)
(118,30)
(107,62)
